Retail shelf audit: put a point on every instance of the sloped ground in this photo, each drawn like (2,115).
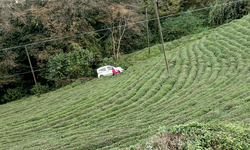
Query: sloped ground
(193,136)
(209,83)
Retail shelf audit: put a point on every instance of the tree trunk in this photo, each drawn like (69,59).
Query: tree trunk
(156,22)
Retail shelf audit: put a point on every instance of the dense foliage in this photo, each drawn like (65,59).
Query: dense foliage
(184,24)
(25,22)
(193,136)
(209,83)
(75,64)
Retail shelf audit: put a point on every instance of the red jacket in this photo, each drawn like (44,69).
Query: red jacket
(115,72)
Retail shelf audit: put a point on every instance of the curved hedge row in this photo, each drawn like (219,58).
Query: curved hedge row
(209,83)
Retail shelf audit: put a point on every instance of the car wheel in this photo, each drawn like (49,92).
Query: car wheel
(101,76)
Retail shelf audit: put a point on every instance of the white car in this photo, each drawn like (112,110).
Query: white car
(108,70)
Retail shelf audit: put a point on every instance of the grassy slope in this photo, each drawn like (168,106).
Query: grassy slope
(209,83)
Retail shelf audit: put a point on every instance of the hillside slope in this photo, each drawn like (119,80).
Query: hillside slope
(209,83)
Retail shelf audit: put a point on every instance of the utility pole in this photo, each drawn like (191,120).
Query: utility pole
(32,71)
(148,31)
(163,46)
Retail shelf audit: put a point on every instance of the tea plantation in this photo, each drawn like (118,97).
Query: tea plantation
(210,83)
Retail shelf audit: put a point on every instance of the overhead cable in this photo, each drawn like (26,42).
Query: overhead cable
(130,24)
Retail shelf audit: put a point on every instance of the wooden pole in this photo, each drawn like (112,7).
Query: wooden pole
(32,72)
(163,46)
(148,31)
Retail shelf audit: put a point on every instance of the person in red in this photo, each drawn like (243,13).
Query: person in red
(115,72)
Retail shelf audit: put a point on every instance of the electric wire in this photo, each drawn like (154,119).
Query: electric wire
(110,28)
(43,69)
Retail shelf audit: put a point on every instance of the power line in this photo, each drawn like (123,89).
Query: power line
(111,55)
(43,69)
(38,70)
(130,24)
(206,35)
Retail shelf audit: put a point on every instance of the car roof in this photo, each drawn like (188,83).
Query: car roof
(105,67)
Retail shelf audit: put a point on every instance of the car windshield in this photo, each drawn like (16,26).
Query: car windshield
(103,69)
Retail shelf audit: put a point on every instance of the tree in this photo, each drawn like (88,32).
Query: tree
(118,20)
(7,64)
(226,13)
(72,65)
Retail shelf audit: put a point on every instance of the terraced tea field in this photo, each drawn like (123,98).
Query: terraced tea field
(210,83)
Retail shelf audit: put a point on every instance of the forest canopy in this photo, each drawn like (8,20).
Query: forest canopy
(26,21)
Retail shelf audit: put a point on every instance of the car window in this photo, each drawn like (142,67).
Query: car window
(103,69)
(109,68)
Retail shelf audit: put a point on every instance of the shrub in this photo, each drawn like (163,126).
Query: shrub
(63,82)
(71,65)
(202,136)
(213,136)
(74,84)
(220,15)
(185,24)
(13,94)
(116,63)
(42,89)
(167,87)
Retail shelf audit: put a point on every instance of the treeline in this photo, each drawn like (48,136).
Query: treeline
(25,21)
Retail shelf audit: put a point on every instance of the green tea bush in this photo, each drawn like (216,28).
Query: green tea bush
(42,89)
(66,87)
(214,136)
(202,87)
(74,84)
(193,136)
